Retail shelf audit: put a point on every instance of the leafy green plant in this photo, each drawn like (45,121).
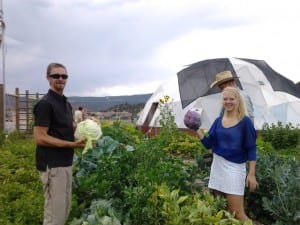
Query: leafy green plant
(168,129)
(264,147)
(123,171)
(7,138)
(172,140)
(3,136)
(186,146)
(281,136)
(123,133)
(21,199)
(197,209)
(284,202)
(100,212)
(111,171)
(97,174)
(277,197)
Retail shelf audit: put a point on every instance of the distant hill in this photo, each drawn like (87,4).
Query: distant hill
(131,103)
(97,104)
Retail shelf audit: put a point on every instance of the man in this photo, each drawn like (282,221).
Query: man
(78,115)
(225,79)
(54,138)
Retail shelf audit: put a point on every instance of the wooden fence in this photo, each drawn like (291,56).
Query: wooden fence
(16,114)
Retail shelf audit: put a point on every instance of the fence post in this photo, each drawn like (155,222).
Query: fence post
(2,113)
(17,109)
(27,110)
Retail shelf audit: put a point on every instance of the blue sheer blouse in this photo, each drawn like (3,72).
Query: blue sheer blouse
(236,144)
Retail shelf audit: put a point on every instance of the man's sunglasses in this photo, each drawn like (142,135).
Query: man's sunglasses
(57,76)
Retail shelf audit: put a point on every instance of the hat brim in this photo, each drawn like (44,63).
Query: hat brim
(218,82)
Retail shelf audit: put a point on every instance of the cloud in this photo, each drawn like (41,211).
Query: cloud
(114,47)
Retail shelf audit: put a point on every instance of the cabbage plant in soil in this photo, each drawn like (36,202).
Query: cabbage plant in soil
(115,171)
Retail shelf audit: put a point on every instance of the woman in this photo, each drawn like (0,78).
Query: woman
(232,138)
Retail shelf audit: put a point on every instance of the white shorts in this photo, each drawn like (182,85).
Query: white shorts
(226,176)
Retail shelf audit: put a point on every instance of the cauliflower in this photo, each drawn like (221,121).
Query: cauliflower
(90,130)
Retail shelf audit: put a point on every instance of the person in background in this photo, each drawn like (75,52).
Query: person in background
(85,114)
(78,115)
(232,138)
(225,79)
(54,138)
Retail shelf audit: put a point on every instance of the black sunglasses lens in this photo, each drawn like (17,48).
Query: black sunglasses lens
(57,76)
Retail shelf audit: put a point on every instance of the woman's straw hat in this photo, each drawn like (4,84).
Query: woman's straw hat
(222,77)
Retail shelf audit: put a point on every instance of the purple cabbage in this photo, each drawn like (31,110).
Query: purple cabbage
(192,120)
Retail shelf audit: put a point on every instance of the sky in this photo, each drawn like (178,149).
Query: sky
(128,47)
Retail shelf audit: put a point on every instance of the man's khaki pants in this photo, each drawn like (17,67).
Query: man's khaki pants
(57,184)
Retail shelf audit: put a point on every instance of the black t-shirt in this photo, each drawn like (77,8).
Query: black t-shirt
(55,112)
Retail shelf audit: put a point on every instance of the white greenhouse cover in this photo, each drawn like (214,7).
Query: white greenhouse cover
(269,106)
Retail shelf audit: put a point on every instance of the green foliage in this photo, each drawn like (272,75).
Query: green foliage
(123,133)
(113,171)
(169,128)
(21,199)
(2,138)
(153,166)
(264,147)
(100,212)
(204,163)
(130,179)
(281,136)
(284,201)
(277,198)
(98,164)
(186,146)
(196,209)
(6,138)
(170,138)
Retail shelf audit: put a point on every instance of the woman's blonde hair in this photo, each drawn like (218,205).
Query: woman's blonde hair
(241,102)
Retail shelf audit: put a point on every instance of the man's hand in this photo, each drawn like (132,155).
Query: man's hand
(80,143)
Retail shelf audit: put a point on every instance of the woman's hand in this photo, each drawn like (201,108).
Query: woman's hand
(200,133)
(251,183)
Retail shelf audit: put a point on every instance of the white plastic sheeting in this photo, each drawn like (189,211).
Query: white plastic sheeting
(269,106)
